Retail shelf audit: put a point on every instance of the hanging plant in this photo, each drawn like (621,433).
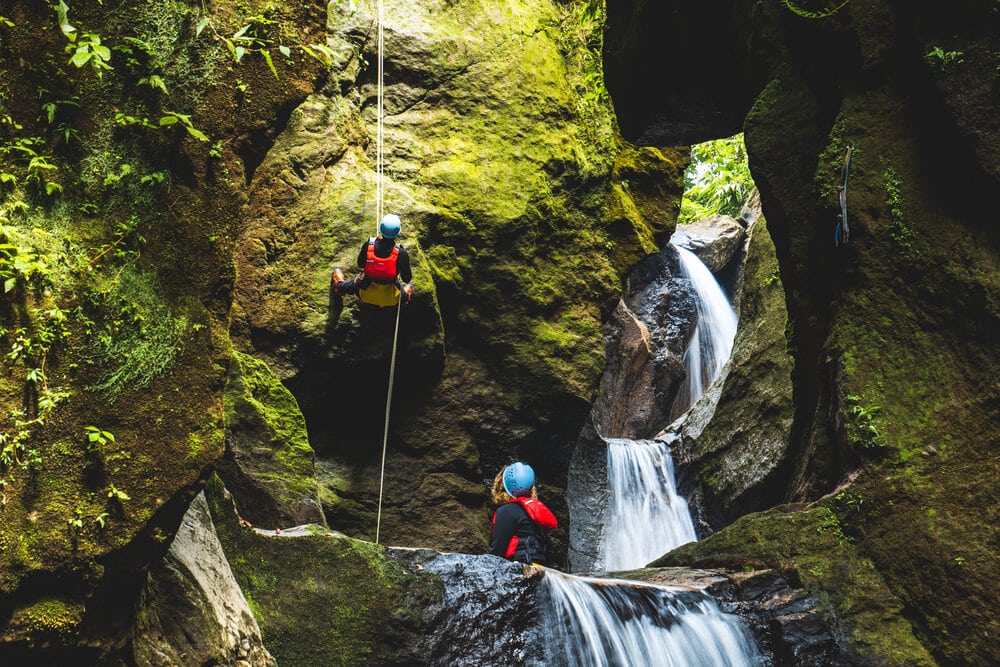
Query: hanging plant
(815,9)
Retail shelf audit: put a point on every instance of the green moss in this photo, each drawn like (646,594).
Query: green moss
(264,415)
(812,542)
(145,338)
(318,594)
(46,620)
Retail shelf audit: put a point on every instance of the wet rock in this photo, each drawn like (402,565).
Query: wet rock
(714,240)
(489,608)
(789,625)
(191,610)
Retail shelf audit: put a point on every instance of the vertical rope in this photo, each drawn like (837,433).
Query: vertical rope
(379,132)
(385,432)
(379,196)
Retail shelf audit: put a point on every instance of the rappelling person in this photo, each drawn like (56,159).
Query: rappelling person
(385,265)
(521,521)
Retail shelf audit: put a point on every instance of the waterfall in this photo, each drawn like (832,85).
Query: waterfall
(712,339)
(646,518)
(603,622)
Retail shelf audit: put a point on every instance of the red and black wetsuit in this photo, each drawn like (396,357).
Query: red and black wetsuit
(519,528)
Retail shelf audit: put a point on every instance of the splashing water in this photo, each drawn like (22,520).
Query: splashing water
(712,340)
(604,622)
(646,518)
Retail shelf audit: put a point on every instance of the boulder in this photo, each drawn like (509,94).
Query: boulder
(268,465)
(191,610)
(716,240)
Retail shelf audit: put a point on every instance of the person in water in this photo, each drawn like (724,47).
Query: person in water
(521,521)
(385,267)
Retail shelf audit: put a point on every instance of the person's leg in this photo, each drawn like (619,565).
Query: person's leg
(342,285)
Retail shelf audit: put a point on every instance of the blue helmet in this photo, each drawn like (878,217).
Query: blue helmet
(518,478)
(390,226)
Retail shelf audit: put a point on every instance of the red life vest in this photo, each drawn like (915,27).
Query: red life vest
(381,269)
(542,517)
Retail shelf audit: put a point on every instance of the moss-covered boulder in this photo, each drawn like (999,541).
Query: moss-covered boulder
(322,598)
(268,465)
(812,543)
(191,610)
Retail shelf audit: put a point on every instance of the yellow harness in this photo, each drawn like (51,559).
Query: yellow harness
(380,294)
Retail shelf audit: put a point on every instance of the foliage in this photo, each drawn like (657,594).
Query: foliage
(862,427)
(142,339)
(718,180)
(815,9)
(899,230)
(98,438)
(943,61)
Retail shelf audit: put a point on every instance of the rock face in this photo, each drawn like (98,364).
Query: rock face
(120,300)
(892,333)
(268,464)
(192,611)
(520,214)
(715,240)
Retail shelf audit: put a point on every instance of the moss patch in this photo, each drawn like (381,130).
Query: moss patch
(813,543)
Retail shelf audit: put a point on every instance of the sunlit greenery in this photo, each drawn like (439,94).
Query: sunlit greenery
(718,180)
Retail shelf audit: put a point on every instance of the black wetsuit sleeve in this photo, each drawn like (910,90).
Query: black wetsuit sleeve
(363,256)
(504,526)
(403,265)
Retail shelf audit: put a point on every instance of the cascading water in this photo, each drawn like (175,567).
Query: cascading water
(603,622)
(646,517)
(712,339)
(599,622)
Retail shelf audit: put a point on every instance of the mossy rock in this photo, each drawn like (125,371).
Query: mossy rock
(269,465)
(811,541)
(320,597)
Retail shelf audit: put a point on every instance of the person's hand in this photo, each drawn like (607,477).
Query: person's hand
(406,293)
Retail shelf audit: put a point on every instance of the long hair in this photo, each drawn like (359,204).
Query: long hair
(499,495)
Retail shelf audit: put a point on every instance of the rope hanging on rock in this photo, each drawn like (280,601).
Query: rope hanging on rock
(379,196)
(842,232)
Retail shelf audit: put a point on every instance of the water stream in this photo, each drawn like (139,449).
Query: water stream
(712,339)
(609,623)
(646,516)
(601,622)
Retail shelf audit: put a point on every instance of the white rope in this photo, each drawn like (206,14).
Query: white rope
(388,404)
(379,130)
(379,196)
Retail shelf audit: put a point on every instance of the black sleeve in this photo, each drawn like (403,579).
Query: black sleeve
(403,265)
(363,256)
(503,529)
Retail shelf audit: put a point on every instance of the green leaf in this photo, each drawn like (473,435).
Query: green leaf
(202,24)
(196,133)
(9,284)
(238,53)
(80,58)
(168,120)
(62,11)
(270,63)
(285,51)
(51,188)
